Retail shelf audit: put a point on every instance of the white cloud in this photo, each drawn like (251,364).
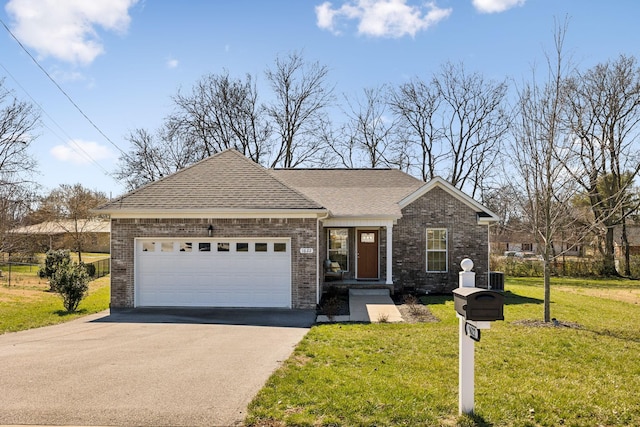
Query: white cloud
(381,18)
(81,152)
(496,6)
(172,63)
(66,30)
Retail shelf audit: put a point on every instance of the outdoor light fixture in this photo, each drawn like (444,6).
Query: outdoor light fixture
(210,230)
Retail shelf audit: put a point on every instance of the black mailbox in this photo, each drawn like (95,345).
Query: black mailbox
(479,304)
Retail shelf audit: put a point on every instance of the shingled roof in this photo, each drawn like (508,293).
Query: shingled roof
(225,181)
(352,192)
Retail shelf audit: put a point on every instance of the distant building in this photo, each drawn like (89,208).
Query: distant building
(61,235)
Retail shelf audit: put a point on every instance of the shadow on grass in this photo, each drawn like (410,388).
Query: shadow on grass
(509,299)
(472,420)
(64,313)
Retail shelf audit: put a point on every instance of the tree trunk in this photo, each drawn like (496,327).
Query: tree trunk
(547,290)
(609,265)
(625,246)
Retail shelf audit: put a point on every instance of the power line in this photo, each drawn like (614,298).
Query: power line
(71,143)
(62,90)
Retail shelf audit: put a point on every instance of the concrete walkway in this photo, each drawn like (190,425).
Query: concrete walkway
(372,305)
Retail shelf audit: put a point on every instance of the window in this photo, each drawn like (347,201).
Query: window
(367,237)
(223,247)
(166,247)
(437,249)
(242,247)
(148,246)
(338,247)
(527,247)
(204,247)
(261,247)
(185,246)
(279,247)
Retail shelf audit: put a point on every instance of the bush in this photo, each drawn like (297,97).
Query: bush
(52,262)
(91,269)
(71,281)
(571,267)
(634,263)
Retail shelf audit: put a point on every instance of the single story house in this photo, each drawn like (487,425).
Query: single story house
(513,242)
(227,232)
(64,234)
(633,239)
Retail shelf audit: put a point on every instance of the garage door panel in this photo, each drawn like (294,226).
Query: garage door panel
(259,277)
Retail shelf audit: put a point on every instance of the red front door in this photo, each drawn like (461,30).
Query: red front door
(367,247)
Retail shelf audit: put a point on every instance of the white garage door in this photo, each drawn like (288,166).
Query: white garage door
(213,272)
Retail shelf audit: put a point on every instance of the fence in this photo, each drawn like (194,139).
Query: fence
(99,268)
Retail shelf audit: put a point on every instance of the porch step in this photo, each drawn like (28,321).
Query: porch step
(369,291)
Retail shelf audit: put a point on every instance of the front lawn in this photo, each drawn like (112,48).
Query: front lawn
(583,373)
(27,304)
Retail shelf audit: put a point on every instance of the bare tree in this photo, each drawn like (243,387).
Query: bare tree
(70,206)
(301,97)
(370,130)
(604,116)
(415,104)
(540,153)
(454,124)
(18,121)
(220,113)
(153,157)
(474,124)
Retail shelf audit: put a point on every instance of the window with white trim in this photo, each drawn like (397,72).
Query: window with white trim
(437,253)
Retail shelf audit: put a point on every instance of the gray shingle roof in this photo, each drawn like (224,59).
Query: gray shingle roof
(227,180)
(352,192)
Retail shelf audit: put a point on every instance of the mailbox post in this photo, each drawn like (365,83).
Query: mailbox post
(475,309)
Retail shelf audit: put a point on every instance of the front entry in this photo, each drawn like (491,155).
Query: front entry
(367,254)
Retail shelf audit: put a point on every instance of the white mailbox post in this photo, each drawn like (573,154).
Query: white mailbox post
(469,333)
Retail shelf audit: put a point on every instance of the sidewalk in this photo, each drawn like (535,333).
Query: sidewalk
(368,305)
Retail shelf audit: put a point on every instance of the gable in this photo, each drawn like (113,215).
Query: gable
(225,181)
(484,215)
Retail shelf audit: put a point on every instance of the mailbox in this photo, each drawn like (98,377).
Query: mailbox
(479,304)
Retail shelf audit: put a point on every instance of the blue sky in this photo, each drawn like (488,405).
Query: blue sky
(122,60)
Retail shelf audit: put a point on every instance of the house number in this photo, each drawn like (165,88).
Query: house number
(306,250)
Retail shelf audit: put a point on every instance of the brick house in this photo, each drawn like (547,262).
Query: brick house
(227,232)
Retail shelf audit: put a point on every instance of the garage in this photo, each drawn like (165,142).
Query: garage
(238,272)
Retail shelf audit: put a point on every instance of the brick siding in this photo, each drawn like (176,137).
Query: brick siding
(466,239)
(302,232)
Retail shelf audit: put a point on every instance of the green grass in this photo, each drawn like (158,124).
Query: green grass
(407,374)
(31,306)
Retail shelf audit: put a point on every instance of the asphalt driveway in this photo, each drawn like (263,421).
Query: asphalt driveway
(181,368)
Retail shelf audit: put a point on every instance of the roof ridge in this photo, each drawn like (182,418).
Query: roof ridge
(304,196)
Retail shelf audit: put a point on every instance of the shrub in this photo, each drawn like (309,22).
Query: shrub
(52,262)
(634,263)
(91,269)
(71,281)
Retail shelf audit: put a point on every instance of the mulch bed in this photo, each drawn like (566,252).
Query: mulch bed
(412,310)
(541,324)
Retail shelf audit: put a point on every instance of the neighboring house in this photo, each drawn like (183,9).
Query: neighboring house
(509,242)
(61,235)
(227,232)
(633,237)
